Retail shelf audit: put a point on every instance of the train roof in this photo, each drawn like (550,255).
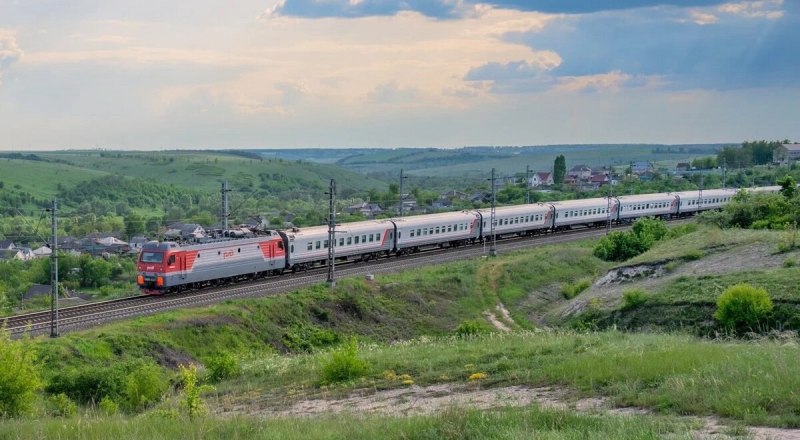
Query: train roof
(456,216)
(636,198)
(707,192)
(518,209)
(355,228)
(581,203)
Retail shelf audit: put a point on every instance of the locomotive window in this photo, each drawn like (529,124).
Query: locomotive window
(280,245)
(310,246)
(171,260)
(152,257)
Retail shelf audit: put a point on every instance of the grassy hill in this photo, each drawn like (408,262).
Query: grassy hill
(435,334)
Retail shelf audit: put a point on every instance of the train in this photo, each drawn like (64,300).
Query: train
(169,266)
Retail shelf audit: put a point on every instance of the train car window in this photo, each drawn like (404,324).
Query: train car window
(418,233)
(239,250)
(372,236)
(341,242)
(291,248)
(317,246)
(349,241)
(357,237)
(310,246)
(198,256)
(363,238)
(449,228)
(437,229)
(325,244)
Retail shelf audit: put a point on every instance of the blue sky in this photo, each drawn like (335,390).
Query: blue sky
(387,73)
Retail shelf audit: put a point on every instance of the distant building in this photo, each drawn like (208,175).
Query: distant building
(185,231)
(7,245)
(541,179)
(580,172)
(42,252)
(366,209)
(640,167)
(683,167)
(786,153)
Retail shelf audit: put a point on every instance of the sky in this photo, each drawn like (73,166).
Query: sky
(150,74)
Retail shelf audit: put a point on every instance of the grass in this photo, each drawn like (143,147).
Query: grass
(571,290)
(674,374)
(695,245)
(454,424)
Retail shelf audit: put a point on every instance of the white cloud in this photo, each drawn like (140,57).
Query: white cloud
(768,9)
(605,82)
(702,18)
(10,52)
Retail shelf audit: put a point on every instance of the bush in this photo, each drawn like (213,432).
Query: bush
(632,298)
(144,387)
(790,262)
(571,290)
(108,407)
(61,406)
(306,338)
(343,365)
(618,246)
(468,329)
(191,391)
(19,375)
(90,384)
(742,308)
(222,367)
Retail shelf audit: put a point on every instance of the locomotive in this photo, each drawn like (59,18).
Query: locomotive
(167,266)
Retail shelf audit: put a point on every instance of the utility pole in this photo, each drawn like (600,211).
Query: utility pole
(402,178)
(332,233)
(493,246)
(610,178)
(528,183)
(54,271)
(700,206)
(224,191)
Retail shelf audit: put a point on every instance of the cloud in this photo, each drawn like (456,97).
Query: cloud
(393,93)
(449,9)
(10,52)
(736,52)
(769,9)
(702,18)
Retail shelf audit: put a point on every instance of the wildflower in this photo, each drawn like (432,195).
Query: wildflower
(478,376)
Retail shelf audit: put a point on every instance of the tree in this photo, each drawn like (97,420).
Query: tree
(134,225)
(559,169)
(19,375)
(788,186)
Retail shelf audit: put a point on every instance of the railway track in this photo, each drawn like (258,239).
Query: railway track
(91,314)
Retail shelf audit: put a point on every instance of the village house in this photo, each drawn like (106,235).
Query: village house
(540,179)
(786,153)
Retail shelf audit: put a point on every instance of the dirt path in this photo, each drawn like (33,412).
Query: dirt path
(504,323)
(416,400)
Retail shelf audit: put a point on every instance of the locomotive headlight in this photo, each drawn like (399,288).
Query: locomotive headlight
(140,280)
(160,281)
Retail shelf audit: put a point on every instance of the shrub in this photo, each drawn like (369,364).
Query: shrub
(571,290)
(649,231)
(306,338)
(743,308)
(108,407)
(90,384)
(61,406)
(618,246)
(144,387)
(191,391)
(343,364)
(19,375)
(693,255)
(632,298)
(790,262)
(468,329)
(223,366)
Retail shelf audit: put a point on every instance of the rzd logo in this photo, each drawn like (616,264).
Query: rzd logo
(227,254)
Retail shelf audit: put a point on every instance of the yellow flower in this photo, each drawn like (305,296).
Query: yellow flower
(389,375)
(404,377)
(408,382)
(478,376)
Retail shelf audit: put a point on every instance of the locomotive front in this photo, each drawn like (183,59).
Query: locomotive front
(152,267)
